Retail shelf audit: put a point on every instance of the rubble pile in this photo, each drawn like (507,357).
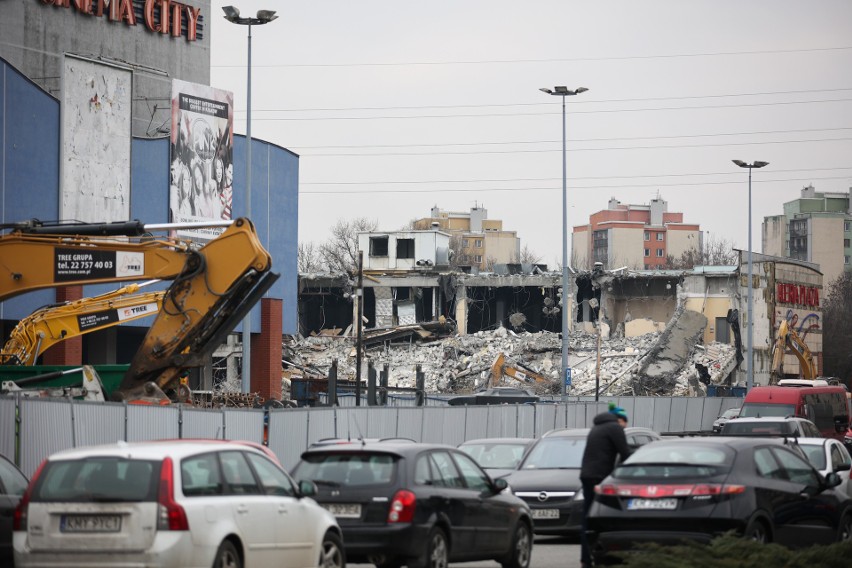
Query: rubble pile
(462,364)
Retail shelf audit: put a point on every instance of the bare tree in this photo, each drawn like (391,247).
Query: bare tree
(309,258)
(340,252)
(529,256)
(837,329)
(716,252)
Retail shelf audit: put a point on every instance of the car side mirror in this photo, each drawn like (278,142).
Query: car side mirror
(832,479)
(499,484)
(307,488)
(843,467)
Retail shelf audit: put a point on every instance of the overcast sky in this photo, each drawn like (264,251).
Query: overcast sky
(395,106)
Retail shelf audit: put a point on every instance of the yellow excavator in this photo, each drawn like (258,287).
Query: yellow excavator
(785,339)
(519,372)
(52,324)
(213,286)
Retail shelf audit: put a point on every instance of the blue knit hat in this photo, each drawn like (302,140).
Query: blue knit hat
(618,411)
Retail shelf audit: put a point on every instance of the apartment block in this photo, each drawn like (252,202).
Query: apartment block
(815,228)
(479,241)
(635,236)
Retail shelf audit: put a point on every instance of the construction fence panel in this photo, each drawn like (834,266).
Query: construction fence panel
(526,421)
(697,415)
(243,424)
(152,422)
(353,423)
(383,421)
(499,419)
(322,423)
(202,423)
(97,423)
(46,428)
(545,418)
(642,413)
(288,433)
(662,415)
(452,424)
(8,416)
(677,415)
(410,423)
(476,423)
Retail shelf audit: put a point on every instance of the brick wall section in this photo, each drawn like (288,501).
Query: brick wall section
(70,351)
(266,351)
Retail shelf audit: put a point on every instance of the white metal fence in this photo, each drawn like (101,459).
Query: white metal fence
(33,428)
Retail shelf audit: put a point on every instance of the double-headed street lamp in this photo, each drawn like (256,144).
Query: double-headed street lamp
(750,314)
(566,369)
(232,14)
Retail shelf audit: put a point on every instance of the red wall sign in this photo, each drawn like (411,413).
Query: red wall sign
(796,294)
(163,16)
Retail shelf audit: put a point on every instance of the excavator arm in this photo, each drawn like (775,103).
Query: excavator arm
(501,367)
(47,326)
(787,338)
(213,287)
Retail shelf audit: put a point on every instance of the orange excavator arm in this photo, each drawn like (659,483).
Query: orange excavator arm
(787,338)
(501,367)
(50,325)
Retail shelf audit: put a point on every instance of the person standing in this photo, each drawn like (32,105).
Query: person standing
(606,442)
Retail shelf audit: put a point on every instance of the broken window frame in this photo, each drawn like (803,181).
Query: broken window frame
(405,248)
(375,249)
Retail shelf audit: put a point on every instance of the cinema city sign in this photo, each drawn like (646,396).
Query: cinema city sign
(171,14)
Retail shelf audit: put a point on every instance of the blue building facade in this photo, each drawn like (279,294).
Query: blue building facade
(30,182)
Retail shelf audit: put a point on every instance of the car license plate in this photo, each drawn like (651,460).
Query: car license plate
(90,523)
(344,511)
(545,513)
(646,504)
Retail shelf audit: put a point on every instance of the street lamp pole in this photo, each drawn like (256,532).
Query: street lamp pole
(750,312)
(563,92)
(232,14)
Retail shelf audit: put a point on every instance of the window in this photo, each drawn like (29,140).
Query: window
(477,243)
(378,246)
(798,470)
(847,225)
(465,243)
(647,235)
(647,252)
(846,259)
(473,476)
(238,474)
(445,472)
(660,236)
(846,243)
(200,476)
(478,258)
(660,253)
(273,480)
(405,248)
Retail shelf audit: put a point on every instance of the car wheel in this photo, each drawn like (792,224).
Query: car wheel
(757,531)
(331,553)
(844,531)
(521,552)
(437,551)
(227,556)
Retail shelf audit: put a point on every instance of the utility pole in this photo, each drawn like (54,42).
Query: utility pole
(359,297)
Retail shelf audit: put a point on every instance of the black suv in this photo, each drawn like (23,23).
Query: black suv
(422,505)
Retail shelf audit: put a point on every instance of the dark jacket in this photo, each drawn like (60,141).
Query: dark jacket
(606,441)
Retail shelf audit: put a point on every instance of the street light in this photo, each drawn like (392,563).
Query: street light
(232,14)
(750,315)
(566,370)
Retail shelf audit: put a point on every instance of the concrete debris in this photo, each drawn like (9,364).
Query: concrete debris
(462,364)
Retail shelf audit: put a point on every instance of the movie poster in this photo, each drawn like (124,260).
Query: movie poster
(202,168)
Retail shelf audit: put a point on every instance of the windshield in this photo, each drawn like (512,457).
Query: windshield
(670,461)
(758,428)
(495,456)
(556,453)
(350,469)
(756,410)
(731,413)
(815,454)
(99,479)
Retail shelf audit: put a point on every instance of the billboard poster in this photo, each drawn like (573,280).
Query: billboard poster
(201,166)
(95,141)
